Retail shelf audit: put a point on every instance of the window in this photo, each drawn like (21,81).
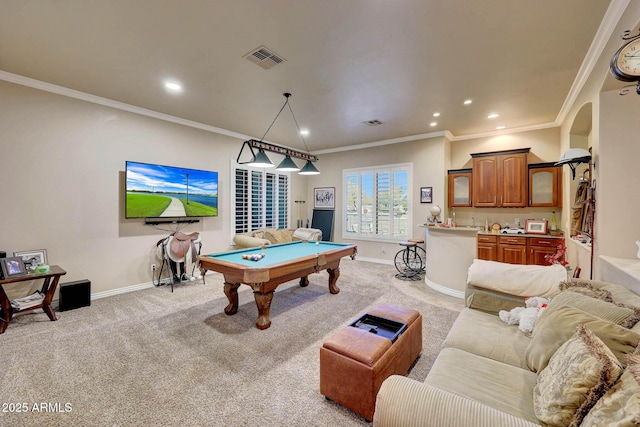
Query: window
(377,204)
(261,199)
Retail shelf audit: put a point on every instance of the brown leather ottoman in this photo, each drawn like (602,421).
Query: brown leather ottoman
(355,362)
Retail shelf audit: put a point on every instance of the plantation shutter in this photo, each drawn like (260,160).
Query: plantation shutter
(261,200)
(242,201)
(377,203)
(283,201)
(400,203)
(257,209)
(270,201)
(383,193)
(352,204)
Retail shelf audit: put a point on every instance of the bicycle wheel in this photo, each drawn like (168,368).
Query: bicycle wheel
(423,255)
(408,261)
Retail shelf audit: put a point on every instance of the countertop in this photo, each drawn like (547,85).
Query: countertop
(480,230)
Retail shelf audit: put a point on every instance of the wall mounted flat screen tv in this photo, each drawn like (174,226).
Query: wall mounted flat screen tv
(157,191)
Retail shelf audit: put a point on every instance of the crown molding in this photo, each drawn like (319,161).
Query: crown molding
(71,93)
(429,135)
(607,26)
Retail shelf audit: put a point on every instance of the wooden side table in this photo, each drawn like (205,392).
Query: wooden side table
(48,289)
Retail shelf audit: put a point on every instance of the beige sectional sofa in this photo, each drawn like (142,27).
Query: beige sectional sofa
(489,373)
(268,236)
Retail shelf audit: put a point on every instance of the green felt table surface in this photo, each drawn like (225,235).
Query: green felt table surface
(277,254)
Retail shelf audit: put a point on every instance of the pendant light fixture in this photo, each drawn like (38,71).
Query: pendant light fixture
(287,165)
(261,159)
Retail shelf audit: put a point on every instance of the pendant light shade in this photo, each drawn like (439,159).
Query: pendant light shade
(261,160)
(309,169)
(287,165)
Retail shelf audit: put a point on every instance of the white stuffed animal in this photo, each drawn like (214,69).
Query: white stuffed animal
(525,317)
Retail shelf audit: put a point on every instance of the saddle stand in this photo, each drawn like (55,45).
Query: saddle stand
(175,249)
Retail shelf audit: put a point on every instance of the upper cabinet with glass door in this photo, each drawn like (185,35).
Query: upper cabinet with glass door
(545,185)
(460,185)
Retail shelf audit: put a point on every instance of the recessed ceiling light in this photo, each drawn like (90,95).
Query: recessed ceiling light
(433,124)
(467,102)
(500,127)
(173,86)
(493,116)
(436,114)
(304,132)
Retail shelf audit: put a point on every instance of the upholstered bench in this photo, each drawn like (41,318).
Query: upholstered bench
(354,362)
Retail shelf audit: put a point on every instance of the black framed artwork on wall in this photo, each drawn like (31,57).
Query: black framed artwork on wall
(426,194)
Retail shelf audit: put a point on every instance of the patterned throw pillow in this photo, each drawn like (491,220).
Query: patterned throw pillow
(620,406)
(555,329)
(620,315)
(278,236)
(578,375)
(586,288)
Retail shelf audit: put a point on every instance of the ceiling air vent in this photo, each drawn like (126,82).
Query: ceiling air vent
(372,122)
(264,57)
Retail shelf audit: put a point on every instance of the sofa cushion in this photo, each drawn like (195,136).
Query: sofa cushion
(578,375)
(620,406)
(247,241)
(486,335)
(585,287)
(491,301)
(554,330)
(499,385)
(516,279)
(283,235)
(618,314)
(307,234)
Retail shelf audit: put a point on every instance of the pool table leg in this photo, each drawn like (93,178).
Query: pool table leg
(231,291)
(334,273)
(263,302)
(304,281)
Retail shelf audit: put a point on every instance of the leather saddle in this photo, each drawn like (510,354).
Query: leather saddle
(179,245)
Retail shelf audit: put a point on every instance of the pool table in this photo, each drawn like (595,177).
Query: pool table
(281,263)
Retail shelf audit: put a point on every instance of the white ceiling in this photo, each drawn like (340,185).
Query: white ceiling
(347,61)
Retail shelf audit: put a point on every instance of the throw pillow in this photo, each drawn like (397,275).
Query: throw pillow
(620,315)
(620,406)
(552,331)
(578,375)
(586,288)
(278,236)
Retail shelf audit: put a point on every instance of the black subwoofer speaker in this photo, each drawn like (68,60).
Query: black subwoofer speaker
(75,295)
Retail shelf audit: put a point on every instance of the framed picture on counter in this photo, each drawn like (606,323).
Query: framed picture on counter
(535,226)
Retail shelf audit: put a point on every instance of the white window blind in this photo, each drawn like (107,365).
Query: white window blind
(377,203)
(261,200)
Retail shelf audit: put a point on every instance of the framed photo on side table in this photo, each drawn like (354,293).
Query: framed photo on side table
(12,267)
(535,226)
(32,258)
(324,198)
(426,194)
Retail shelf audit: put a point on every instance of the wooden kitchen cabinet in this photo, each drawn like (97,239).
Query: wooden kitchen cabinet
(516,249)
(500,179)
(545,185)
(460,185)
(539,247)
(487,247)
(512,249)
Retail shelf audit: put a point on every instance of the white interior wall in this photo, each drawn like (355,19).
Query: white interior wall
(63,172)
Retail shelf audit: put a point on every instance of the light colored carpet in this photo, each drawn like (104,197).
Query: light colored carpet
(156,358)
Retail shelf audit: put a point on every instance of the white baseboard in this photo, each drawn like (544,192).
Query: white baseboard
(122,290)
(443,289)
(374,260)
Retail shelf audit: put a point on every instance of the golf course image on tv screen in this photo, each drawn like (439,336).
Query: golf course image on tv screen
(157,191)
